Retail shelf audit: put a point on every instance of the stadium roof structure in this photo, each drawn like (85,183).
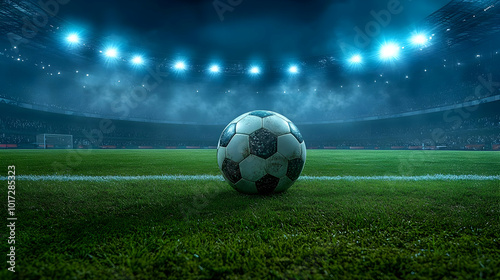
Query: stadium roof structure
(26,23)
(15,22)
(462,23)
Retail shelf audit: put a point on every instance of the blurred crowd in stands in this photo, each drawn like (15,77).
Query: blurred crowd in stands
(472,131)
(21,128)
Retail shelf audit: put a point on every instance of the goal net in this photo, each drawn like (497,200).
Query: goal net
(54,141)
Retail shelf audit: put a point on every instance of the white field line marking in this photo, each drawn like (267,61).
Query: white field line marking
(435,177)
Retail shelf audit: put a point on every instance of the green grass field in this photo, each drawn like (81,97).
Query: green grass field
(203,229)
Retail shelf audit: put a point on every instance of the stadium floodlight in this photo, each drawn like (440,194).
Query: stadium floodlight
(111,52)
(214,68)
(137,60)
(293,69)
(419,39)
(389,51)
(73,38)
(180,65)
(356,59)
(254,70)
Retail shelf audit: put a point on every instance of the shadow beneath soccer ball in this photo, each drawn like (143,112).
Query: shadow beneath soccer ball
(225,202)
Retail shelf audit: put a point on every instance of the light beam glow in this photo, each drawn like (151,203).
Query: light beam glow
(73,38)
(419,39)
(255,70)
(180,65)
(389,51)
(356,59)
(214,68)
(137,60)
(111,52)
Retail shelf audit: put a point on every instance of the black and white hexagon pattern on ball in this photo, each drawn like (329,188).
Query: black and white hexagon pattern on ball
(304,151)
(227,135)
(267,184)
(263,143)
(295,167)
(283,117)
(295,131)
(289,147)
(231,170)
(245,186)
(238,149)
(237,119)
(221,156)
(284,184)
(277,165)
(253,168)
(261,113)
(248,124)
(276,124)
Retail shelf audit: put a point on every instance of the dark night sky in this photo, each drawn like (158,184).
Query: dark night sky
(266,29)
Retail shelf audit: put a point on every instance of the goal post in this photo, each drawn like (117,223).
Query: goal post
(54,141)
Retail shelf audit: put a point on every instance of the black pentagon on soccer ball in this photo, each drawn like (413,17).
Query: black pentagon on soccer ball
(227,135)
(295,132)
(263,143)
(267,184)
(261,113)
(231,170)
(294,168)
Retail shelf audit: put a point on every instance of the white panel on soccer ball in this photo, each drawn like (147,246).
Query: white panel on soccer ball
(304,150)
(246,186)
(253,168)
(289,147)
(276,124)
(277,165)
(238,148)
(283,185)
(283,117)
(239,118)
(248,124)
(221,155)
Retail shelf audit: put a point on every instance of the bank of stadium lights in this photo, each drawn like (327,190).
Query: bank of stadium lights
(389,51)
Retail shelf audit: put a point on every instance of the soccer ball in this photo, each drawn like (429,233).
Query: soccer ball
(261,152)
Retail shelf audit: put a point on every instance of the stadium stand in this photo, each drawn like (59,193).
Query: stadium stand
(475,128)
